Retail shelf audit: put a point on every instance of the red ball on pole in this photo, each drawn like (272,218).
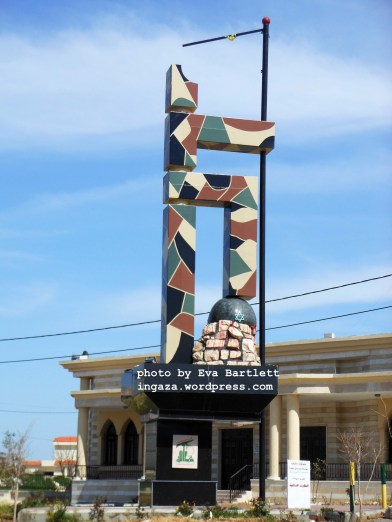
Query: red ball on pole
(266,20)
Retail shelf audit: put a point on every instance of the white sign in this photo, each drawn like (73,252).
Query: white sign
(298,484)
(185,451)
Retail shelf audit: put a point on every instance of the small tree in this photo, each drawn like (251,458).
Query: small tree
(357,446)
(66,460)
(318,473)
(13,462)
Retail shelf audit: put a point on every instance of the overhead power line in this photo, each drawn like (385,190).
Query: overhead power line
(142,323)
(158,345)
(327,289)
(80,331)
(67,356)
(331,317)
(40,413)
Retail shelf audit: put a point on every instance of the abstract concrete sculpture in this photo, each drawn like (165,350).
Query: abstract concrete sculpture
(184,190)
(238,196)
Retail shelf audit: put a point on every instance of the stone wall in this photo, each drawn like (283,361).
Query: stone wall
(226,343)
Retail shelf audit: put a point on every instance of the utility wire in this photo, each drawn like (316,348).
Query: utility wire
(327,289)
(40,412)
(141,323)
(327,318)
(80,331)
(158,345)
(91,353)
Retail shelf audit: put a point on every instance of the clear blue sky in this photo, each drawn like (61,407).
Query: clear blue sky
(81,138)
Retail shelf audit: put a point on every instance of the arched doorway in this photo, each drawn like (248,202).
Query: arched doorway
(110,445)
(131,445)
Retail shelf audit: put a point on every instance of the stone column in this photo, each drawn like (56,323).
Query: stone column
(275,426)
(120,449)
(293,448)
(140,458)
(85,383)
(150,449)
(82,441)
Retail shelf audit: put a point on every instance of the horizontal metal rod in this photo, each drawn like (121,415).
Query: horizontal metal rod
(229,36)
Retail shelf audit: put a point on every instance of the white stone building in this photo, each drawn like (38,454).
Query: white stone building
(326,387)
(64,461)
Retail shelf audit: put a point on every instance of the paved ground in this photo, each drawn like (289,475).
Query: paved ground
(366,509)
(118,514)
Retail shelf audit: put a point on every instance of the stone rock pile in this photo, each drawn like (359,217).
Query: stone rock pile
(226,342)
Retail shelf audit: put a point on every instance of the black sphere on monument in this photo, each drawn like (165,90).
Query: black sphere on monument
(232,309)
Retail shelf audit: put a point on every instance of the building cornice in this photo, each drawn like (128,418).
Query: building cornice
(329,345)
(336,379)
(104,393)
(314,346)
(105,363)
(300,381)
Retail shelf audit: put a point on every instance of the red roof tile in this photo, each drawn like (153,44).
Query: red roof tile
(65,462)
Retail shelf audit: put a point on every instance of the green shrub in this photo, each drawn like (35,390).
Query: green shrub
(259,509)
(221,512)
(58,513)
(63,482)
(140,513)
(34,500)
(288,516)
(37,482)
(6,511)
(185,509)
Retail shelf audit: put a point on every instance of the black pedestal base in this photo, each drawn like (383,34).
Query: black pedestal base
(173,493)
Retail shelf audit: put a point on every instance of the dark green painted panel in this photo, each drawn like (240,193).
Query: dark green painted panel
(237,265)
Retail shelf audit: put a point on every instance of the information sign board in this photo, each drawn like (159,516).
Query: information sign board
(298,484)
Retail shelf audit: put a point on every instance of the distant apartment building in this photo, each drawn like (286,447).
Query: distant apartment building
(64,462)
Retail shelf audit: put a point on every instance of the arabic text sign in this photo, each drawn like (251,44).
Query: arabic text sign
(298,484)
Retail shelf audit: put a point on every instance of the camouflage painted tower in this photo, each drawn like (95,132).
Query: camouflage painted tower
(185,132)
(195,383)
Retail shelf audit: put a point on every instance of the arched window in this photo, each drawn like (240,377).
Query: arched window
(131,444)
(110,445)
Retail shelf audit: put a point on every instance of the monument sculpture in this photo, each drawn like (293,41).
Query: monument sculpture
(219,376)
(184,190)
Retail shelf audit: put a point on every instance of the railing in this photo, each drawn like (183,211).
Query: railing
(110,472)
(240,481)
(39,481)
(336,471)
(50,487)
(340,471)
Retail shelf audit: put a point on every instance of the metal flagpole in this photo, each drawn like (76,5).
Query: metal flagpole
(262,239)
(262,234)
